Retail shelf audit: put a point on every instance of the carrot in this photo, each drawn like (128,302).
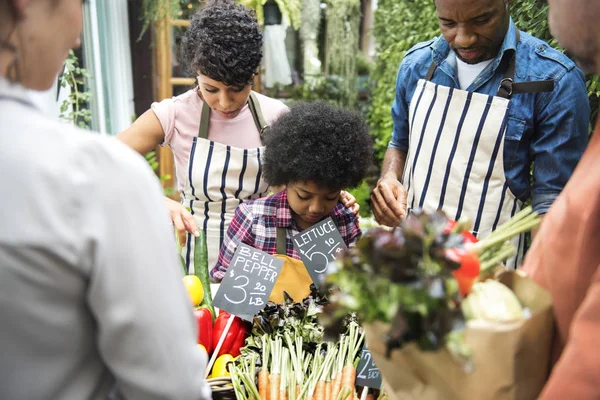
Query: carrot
(297,391)
(325,372)
(263,375)
(328,387)
(263,383)
(320,391)
(354,344)
(348,377)
(274,377)
(274,382)
(285,358)
(336,386)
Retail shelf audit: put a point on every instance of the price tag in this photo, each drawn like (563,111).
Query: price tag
(367,372)
(248,283)
(318,246)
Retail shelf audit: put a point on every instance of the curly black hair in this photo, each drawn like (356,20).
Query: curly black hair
(223,43)
(318,142)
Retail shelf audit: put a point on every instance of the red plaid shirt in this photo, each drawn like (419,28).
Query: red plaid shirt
(255,223)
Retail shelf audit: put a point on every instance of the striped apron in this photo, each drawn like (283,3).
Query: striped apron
(219,179)
(456,147)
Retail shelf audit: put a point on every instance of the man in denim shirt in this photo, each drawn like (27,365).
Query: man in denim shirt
(474,109)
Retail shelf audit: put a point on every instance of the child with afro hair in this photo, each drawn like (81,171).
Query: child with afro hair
(314,151)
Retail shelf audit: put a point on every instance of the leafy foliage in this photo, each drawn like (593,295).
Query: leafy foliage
(343,21)
(290,10)
(295,318)
(75,107)
(410,265)
(152,159)
(400,24)
(154,11)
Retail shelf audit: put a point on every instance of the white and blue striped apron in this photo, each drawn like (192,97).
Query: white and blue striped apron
(219,179)
(456,147)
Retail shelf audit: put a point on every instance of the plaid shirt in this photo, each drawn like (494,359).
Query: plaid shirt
(255,223)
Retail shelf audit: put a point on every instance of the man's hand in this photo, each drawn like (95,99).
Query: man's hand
(388,201)
(183,220)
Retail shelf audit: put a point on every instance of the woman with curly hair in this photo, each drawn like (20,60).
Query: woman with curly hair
(315,150)
(214,130)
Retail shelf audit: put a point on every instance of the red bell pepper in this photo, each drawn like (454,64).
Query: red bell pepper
(234,340)
(467,236)
(468,260)
(469,268)
(204,320)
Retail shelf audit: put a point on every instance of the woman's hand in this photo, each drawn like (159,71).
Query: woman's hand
(183,221)
(350,202)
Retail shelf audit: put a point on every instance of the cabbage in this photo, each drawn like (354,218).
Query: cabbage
(492,301)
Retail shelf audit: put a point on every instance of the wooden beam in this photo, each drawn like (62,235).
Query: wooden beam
(182,81)
(180,22)
(164,72)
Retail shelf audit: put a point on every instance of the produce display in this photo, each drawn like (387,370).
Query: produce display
(426,267)
(424,280)
(292,358)
(210,325)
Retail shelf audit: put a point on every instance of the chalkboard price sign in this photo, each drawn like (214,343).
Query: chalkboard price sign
(318,246)
(248,283)
(367,373)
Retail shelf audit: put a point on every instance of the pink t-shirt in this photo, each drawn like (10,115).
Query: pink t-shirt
(180,120)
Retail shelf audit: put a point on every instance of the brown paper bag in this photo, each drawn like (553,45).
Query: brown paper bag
(511,361)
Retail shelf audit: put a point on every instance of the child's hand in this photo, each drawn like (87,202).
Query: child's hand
(349,201)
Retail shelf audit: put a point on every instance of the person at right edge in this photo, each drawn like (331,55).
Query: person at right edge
(565,255)
(474,109)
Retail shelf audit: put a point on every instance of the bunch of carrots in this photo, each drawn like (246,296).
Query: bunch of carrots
(288,372)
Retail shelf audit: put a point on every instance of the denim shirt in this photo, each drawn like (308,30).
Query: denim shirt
(549,129)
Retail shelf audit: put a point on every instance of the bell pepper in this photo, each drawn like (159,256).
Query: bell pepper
(455,227)
(468,270)
(220,367)
(204,319)
(234,340)
(468,261)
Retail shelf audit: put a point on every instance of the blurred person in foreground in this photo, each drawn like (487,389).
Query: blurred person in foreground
(565,255)
(92,305)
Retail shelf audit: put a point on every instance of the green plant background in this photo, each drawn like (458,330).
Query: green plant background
(400,24)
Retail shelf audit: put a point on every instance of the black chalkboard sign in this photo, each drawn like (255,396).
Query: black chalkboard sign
(367,373)
(318,246)
(248,283)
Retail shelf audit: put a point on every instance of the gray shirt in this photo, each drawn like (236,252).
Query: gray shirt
(91,296)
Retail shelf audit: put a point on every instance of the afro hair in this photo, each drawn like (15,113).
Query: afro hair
(318,142)
(223,43)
